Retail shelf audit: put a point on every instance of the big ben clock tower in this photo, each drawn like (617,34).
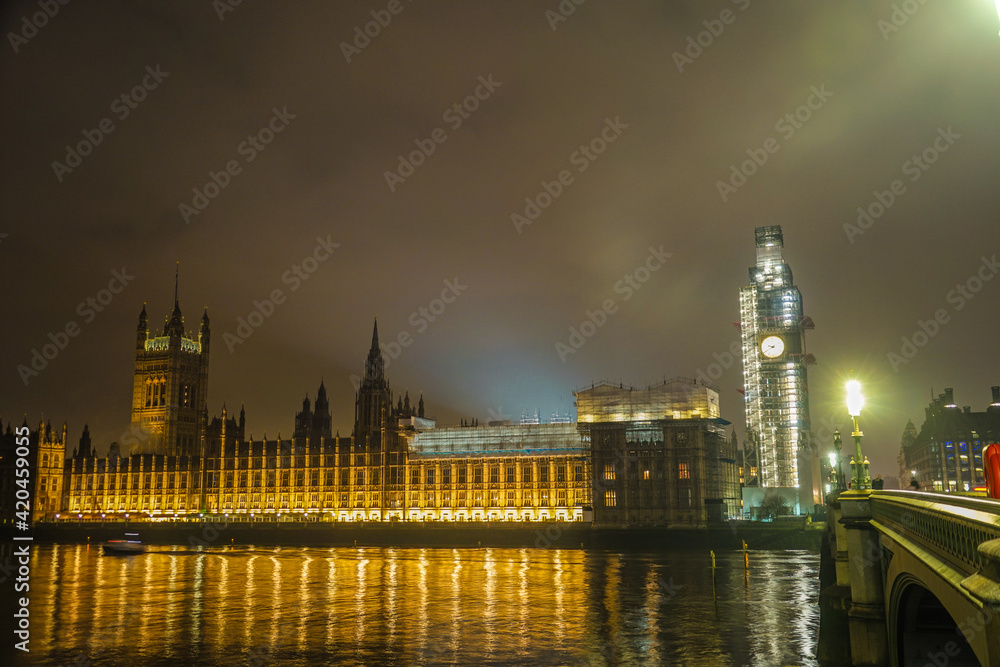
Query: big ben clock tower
(779,448)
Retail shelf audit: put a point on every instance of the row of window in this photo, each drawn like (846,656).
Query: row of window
(156,393)
(446,499)
(685,498)
(509,474)
(362,460)
(56,460)
(682,471)
(178,480)
(270,479)
(429,476)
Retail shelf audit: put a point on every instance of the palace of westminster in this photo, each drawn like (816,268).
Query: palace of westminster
(654,456)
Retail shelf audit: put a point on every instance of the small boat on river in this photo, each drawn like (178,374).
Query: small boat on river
(129,546)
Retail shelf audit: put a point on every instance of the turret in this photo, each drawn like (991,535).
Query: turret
(142,331)
(375,364)
(85,451)
(204,335)
(322,404)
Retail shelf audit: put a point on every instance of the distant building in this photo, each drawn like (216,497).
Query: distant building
(905,474)
(45,450)
(947,453)
(396,465)
(47,471)
(780,453)
(660,456)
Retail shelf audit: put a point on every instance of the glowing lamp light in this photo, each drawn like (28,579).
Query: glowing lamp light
(833,460)
(855,401)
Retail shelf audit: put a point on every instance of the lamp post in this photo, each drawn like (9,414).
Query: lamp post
(838,469)
(859,464)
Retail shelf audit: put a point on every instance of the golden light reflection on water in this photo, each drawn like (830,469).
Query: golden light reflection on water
(249,598)
(371,606)
(456,601)
(221,619)
(522,601)
(489,599)
(275,596)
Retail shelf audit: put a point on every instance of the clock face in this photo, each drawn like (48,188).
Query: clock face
(772,347)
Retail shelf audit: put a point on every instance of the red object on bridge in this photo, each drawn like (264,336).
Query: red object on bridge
(991,469)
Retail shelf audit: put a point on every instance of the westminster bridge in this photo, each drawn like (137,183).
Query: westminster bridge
(919,576)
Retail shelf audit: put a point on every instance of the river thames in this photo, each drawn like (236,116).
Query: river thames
(408,606)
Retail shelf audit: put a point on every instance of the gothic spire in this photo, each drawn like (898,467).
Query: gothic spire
(375,365)
(176,323)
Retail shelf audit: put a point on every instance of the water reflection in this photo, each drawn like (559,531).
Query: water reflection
(308,606)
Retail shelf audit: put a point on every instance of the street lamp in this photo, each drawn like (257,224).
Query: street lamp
(859,464)
(835,461)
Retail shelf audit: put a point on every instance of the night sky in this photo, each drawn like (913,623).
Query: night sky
(266,90)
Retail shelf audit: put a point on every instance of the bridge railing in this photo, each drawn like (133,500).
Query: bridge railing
(952,527)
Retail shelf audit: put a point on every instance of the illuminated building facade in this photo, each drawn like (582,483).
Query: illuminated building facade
(170,387)
(947,452)
(43,477)
(672,462)
(489,473)
(504,472)
(395,466)
(48,470)
(779,449)
(660,455)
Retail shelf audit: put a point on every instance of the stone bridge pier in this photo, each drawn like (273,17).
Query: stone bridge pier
(921,572)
